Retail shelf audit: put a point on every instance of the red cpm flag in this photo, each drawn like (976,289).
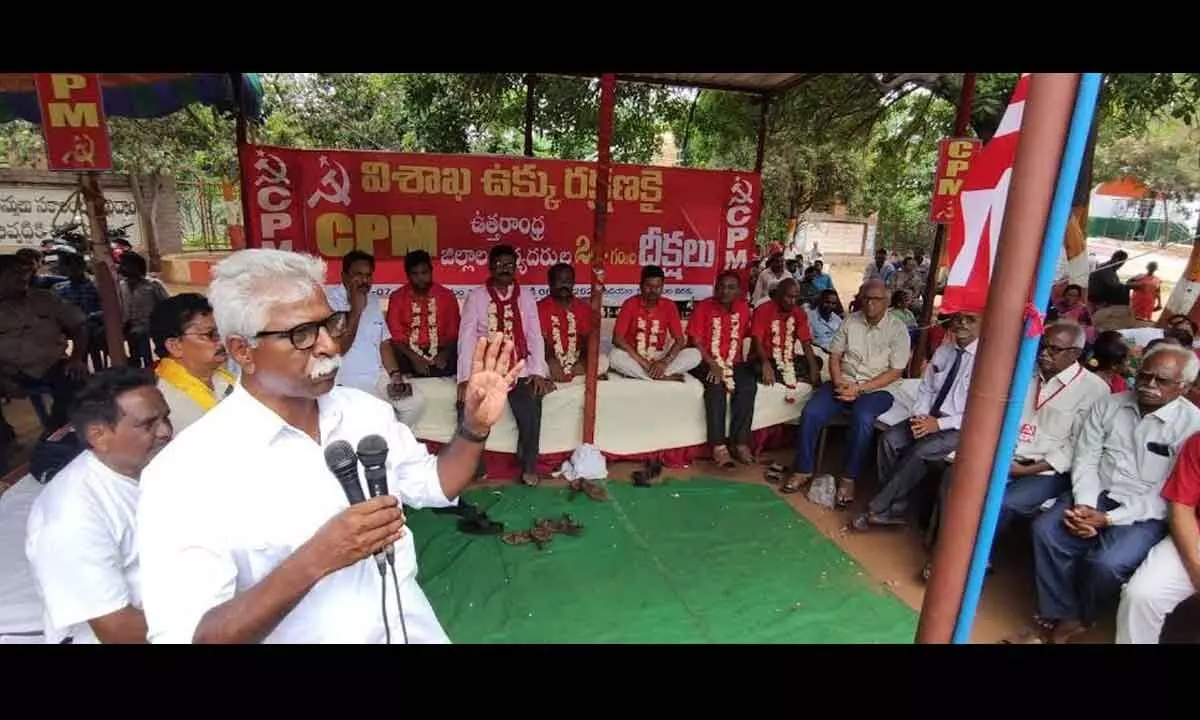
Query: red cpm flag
(975,230)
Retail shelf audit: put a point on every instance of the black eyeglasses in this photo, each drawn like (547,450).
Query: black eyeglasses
(305,335)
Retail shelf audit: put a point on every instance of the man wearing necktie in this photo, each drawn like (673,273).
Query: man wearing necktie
(932,430)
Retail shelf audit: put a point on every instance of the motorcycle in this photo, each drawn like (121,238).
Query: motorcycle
(68,239)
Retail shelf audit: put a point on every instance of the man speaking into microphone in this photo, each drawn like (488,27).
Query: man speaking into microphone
(245,534)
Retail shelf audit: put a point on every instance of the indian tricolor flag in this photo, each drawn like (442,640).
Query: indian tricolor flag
(975,231)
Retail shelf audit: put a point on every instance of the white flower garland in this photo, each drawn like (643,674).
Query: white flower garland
(568,357)
(782,346)
(414,332)
(643,343)
(725,361)
(494,321)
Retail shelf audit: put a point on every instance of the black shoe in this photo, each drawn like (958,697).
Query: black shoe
(463,509)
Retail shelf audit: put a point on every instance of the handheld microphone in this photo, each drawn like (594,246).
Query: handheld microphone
(373,452)
(343,463)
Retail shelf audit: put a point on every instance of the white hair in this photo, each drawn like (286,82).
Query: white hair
(1079,334)
(248,283)
(1191,363)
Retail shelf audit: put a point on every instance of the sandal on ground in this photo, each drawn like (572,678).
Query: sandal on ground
(845,494)
(775,473)
(795,484)
(868,520)
(530,479)
(1036,633)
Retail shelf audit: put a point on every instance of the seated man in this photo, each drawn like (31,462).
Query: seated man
(80,533)
(191,372)
(644,324)
(824,320)
(866,358)
(566,324)
(362,345)
(34,327)
(502,306)
(776,328)
(1096,535)
(1055,406)
(1171,572)
(422,321)
(931,432)
(717,330)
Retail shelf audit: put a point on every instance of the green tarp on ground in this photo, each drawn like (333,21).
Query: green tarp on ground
(691,561)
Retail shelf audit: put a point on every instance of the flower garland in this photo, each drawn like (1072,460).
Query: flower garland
(644,344)
(726,361)
(568,357)
(494,320)
(414,332)
(782,346)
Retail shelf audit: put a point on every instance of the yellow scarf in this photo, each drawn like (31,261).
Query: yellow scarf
(178,376)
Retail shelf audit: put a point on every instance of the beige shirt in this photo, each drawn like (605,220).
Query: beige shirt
(34,331)
(184,410)
(1054,411)
(870,350)
(1114,453)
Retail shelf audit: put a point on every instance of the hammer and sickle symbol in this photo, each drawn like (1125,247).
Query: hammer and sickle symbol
(274,169)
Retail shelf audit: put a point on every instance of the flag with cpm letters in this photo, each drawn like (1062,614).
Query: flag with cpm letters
(971,248)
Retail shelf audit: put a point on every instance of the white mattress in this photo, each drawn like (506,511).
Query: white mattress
(632,416)
(20,604)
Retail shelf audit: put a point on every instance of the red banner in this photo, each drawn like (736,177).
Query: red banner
(456,207)
(954,160)
(73,122)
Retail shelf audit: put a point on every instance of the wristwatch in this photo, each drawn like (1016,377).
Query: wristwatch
(469,436)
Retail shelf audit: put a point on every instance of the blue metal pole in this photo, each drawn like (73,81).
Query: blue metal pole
(1052,244)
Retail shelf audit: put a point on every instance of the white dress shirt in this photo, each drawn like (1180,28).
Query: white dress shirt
(767,281)
(934,378)
(79,540)
(362,364)
(226,502)
(1050,426)
(1113,453)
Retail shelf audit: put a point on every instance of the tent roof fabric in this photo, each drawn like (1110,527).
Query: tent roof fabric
(1126,187)
(140,95)
(755,83)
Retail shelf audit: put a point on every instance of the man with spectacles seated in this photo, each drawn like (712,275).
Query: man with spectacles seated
(1055,405)
(190,372)
(1098,533)
(866,358)
(365,340)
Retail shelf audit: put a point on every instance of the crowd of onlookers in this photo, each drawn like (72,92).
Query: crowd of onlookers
(1105,464)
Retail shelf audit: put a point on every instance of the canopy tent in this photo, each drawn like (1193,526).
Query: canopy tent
(753,83)
(142,95)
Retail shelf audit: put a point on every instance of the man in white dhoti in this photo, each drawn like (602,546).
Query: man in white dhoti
(245,534)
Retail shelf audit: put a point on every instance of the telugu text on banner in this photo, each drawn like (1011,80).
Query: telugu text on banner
(692,223)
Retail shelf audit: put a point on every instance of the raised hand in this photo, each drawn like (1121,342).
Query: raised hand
(491,378)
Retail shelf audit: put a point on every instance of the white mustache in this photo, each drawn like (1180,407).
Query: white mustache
(325,366)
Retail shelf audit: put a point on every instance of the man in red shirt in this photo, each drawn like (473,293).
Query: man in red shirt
(717,330)
(644,325)
(776,328)
(423,319)
(566,324)
(1170,574)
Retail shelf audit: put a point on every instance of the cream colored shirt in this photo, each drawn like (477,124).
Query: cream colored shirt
(184,410)
(1114,453)
(1050,425)
(870,350)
